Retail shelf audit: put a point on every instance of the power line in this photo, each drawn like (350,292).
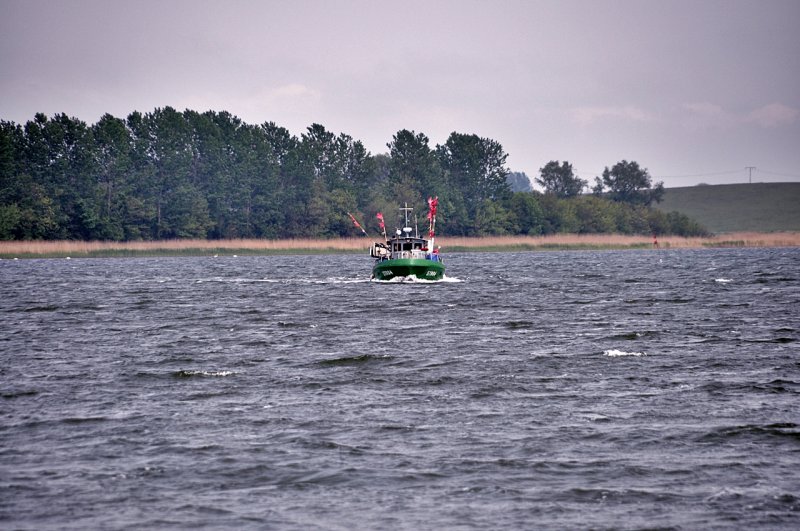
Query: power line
(796,176)
(711,174)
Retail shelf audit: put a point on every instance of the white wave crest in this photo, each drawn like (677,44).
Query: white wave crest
(723,280)
(614,353)
(208,373)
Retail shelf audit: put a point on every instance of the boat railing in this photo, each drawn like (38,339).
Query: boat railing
(418,254)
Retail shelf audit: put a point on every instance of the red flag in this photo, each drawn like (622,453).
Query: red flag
(380,220)
(433,202)
(356,223)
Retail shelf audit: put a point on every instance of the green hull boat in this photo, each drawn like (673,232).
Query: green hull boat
(421,268)
(407,256)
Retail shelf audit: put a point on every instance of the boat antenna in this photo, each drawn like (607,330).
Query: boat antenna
(416,226)
(406,209)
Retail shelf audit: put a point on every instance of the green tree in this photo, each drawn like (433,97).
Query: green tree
(595,215)
(171,152)
(321,169)
(492,218)
(560,179)
(414,171)
(558,215)
(112,164)
(630,183)
(59,157)
(628,218)
(526,213)
(476,165)
(32,215)
(283,185)
(518,181)
(187,215)
(11,141)
(168,174)
(683,225)
(139,210)
(475,172)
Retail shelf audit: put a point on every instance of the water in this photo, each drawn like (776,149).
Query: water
(625,390)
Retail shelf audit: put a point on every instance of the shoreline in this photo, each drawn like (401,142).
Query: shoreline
(554,242)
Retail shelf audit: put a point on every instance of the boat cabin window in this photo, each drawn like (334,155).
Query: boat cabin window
(406,246)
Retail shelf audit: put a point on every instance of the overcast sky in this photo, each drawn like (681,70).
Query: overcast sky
(693,90)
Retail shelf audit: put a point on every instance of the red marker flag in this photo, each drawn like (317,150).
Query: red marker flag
(357,224)
(433,202)
(381,223)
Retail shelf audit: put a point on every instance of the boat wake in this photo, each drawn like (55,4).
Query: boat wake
(329,280)
(415,280)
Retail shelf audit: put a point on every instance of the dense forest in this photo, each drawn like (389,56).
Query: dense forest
(167,174)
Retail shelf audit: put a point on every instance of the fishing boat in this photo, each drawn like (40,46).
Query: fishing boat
(407,255)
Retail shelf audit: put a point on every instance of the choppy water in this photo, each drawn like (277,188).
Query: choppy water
(625,390)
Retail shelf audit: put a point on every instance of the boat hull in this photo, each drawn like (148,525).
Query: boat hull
(420,268)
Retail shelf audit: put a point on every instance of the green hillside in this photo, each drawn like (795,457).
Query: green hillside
(764,207)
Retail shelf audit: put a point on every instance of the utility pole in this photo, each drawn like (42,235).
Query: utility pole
(750,172)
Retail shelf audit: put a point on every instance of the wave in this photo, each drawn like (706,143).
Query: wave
(778,386)
(292,324)
(516,325)
(634,335)
(778,430)
(45,308)
(614,353)
(354,360)
(81,420)
(18,394)
(193,374)
(779,340)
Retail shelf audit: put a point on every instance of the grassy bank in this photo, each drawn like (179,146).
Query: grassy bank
(76,249)
(761,207)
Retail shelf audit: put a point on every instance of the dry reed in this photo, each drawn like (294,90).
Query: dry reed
(254,246)
(67,247)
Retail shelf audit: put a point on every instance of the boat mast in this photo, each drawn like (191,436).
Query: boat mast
(406,209)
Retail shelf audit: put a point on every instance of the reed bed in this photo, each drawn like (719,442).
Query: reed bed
(9,249)
(179,247)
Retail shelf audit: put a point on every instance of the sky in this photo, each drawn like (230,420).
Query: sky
(695,91)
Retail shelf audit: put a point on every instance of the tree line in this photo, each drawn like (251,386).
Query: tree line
(168,174)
